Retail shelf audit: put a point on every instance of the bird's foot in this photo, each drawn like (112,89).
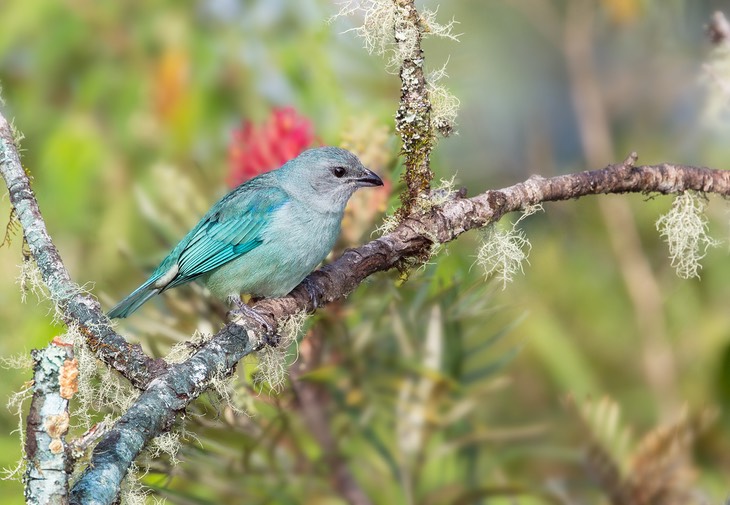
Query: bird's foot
(270,336)
(311,291)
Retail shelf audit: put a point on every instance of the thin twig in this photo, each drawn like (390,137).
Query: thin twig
(78,447)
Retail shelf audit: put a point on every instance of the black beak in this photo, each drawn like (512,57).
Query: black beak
(369,178)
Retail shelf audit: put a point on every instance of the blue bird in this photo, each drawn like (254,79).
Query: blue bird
(264,237)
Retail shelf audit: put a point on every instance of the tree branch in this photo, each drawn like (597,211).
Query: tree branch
(460,215)
(54,383)
(413,117)
(76,308)
(155,411)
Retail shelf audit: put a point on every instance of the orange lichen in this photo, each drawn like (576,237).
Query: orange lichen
(68,378)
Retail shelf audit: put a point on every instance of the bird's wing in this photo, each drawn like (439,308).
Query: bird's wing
(232,228)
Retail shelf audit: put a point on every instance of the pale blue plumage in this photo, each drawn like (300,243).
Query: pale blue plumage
(266,235)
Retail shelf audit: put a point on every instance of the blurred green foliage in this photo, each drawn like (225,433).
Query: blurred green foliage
(444,389)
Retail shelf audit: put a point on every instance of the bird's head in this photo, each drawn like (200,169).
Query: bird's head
(326,177)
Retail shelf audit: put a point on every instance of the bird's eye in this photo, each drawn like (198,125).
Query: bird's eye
(338,172)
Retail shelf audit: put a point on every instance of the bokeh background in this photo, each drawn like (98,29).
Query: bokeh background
(137,115)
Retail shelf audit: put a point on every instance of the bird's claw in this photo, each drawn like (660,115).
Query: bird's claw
(311,291)
(270,336)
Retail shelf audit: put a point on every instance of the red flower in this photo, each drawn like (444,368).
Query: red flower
(258,149)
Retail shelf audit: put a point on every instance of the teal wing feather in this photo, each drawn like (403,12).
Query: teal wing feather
(233,227)
(228,231)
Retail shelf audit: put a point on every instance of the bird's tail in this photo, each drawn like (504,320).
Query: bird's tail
(135,299)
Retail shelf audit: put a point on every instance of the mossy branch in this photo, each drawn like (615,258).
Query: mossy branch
(413,117)
(72,305)
(395,28)
(47,464)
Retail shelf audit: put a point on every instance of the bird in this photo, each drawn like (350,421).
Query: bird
(265,236)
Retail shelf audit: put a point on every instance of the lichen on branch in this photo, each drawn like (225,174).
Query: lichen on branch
(684,228)
(413,117)
(54,383)
(416,119)
(395,28)
(504,250)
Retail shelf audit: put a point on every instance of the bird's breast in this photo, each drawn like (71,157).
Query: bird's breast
(309,236)
(294,242)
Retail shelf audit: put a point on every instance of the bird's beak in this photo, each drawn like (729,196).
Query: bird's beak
(369,178)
